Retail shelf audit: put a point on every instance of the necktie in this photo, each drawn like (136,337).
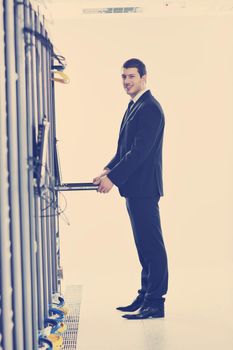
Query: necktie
(130,105)
(128,110)
(127,114)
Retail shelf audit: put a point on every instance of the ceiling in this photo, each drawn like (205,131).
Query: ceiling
(64,9)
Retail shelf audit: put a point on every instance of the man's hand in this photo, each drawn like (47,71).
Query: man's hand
(97,179)
(105,185)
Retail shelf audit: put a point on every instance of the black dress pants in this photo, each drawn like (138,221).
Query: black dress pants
(146,226)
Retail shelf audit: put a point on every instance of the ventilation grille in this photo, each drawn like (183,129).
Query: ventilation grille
(111,10)
(73,301)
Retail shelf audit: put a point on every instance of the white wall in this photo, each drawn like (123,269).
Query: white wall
(189,61)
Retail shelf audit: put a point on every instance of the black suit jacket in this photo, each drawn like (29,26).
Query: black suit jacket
(136,168)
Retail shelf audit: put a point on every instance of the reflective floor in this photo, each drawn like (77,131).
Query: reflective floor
(99,254)
(194,321)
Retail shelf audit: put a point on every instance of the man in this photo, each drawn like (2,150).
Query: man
(136,169)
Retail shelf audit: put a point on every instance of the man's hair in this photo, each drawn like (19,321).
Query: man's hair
(136,63)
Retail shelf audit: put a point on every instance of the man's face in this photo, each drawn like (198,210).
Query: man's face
(132,81)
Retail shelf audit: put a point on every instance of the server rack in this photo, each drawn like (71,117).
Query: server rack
(31,305)
(29,211)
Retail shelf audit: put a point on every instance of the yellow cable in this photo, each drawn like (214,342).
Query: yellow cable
(62,329)
(57,340)
(65,309)
(64,77)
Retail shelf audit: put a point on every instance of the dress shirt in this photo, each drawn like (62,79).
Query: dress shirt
(138,95)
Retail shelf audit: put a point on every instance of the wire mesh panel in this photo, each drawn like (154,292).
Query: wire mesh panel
(73,300)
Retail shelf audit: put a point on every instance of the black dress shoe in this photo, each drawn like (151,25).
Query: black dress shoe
(136,304)
(147,312)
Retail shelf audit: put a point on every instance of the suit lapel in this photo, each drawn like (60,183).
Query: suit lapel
(137,106)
